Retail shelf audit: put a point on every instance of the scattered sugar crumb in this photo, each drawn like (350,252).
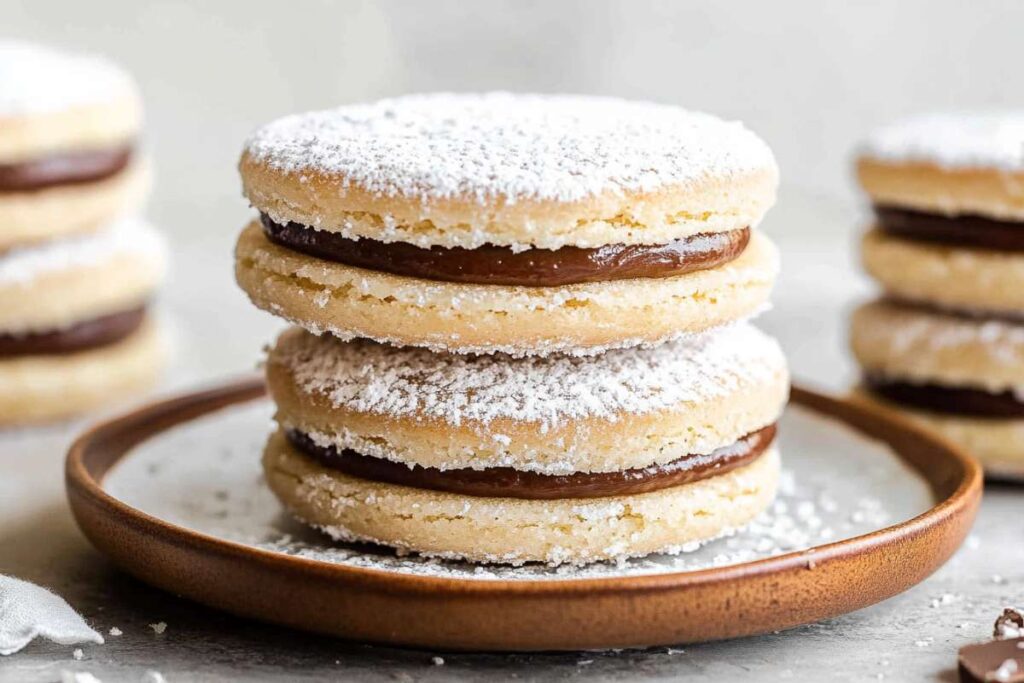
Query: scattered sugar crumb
(159,627)
(78,654)
(943,600)
(437,661)
(153,676)
(924,642)
(115,631)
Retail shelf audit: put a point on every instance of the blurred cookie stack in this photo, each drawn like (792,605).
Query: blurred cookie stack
(77,267)
(522,324)
(946,343)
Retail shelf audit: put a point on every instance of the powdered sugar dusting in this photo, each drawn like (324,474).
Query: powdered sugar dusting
(953,140)
(36,79)
(20,266)
(501,146)
(368,377)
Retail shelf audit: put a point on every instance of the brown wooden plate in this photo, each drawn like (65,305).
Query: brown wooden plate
(371,605)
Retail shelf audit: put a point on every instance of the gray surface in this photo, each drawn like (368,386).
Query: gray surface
(218,334)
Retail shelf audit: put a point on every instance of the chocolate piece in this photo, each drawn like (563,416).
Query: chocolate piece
(946,400)
(1009,624)
(506,482)
(66,168)
(492,265)
(998,660)
(79,337)
(960,231)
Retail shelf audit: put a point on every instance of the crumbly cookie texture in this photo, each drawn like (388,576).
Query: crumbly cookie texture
(921,345)
(41,388)
(581,319)
(974,280)
(511,531)
(515,170)
(997,443)
(54,285)
(555,415)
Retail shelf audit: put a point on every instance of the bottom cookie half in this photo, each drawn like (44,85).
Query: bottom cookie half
(514,531)
(36,388)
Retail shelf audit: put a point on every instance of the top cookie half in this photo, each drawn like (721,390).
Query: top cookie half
(510,170)
(68,130)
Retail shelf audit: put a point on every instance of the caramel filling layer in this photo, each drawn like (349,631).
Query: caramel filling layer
(67,168)
(506,482)
(934,398)
(959,231)
(79,337)
(493,265)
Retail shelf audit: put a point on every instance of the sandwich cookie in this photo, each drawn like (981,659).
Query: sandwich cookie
(555,459)
(521,224)
(960,376)
(73,325)
(68,131)
(948,194)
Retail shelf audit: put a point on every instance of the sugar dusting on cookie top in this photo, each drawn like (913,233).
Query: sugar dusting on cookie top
(953,140)
(35,79)
(367,377)
(508,147)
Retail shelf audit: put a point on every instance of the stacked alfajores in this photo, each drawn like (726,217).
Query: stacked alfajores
(945,345)
(77,268)
(521,326)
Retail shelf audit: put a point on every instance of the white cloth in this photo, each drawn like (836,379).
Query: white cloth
(28,611)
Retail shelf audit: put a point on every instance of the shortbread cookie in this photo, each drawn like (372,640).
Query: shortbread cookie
(686,427)
(961,376)
(55,383)
(522,224)
(68,128)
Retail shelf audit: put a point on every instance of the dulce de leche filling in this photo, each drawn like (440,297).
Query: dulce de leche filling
(961,231)
(506,482)
(494,265)
(81,336)
(946,400)
(64,168)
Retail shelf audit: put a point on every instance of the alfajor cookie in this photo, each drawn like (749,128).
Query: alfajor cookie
(74,331)
(503,459)
(521,224)
(962,376)
(68,131)
(948,194)
(947,246)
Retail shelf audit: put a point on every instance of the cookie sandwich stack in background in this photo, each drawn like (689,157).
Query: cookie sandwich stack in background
(521,324)
(77,268)
(945,345)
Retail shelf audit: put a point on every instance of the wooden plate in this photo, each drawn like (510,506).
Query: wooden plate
(371,605)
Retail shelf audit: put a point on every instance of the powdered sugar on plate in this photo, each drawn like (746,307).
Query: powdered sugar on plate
(953,140)
(368,377)
(131,235)
(509,147)
(205,475)
(35,79)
